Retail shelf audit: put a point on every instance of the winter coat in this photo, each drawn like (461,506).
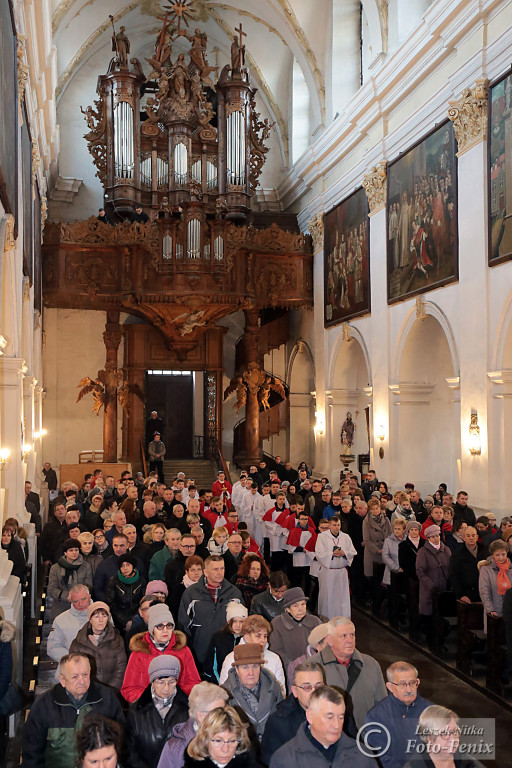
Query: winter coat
(64,630)
(7,631)
(432,567)
(94,561)
(366,691)
(49,731)
(222,644)
(272,662)
(390,557)
(16,556)
(375,531)
(267,606)
(59,584)
(250,588)
(158,562)
(147,732)
(53,535)
(488,587)
(289,638)
(124,599)
(105,571)
(401,722)
(269,697)
(174,572)
(300,752)
(286,720)
(201,617)
(463,572)
(173,752)
(245,760)
(108,659)
(464,513)
(407,554)
(143,651)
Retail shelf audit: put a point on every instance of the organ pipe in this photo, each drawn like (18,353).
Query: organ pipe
(194,239)
(180,163)
(123,140)
(235,148)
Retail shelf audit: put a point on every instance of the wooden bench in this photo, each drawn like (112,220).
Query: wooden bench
(496,653)
(444,618)
(470,629)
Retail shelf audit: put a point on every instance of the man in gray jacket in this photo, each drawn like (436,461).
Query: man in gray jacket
(356,674)
(254,690)
(156,450)
(66,625)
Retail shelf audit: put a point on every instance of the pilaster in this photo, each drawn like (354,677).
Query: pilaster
(11,419)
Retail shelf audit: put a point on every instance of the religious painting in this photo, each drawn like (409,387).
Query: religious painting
(500,170)
(347,260)
(8,111)
(422,242)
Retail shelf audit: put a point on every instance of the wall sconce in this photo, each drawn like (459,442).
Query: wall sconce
(27,448)
(39,435)
(4,458)
(319,423)
(381,436)
(475,444)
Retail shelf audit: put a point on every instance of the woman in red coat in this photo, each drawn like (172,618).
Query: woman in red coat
(160,638)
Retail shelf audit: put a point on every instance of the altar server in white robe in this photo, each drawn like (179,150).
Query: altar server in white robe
(251,511)
(334,551)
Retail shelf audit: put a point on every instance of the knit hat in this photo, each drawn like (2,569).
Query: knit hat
(126,558)
(432,530)
(376,495)
(292,596)
(285,484)
(156,586)
(318,634)
(410,486)
(164,666)
(70,544)
(429,498)
(96,606)
(159,614)
(236,610)
(248,653)
(413,524)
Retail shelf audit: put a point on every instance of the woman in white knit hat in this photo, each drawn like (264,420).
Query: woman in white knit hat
(225,640)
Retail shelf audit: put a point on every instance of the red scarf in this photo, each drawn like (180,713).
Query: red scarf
(503,580)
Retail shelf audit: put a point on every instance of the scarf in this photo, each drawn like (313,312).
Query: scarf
(252,696)
(503,580)
(162,705)
(128,579)
(187,581)
(69,568)
(414,542)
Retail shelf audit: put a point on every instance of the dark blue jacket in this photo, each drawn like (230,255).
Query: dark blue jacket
(401,721)
(281,726)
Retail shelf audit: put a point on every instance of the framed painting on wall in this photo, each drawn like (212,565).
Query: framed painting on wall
(8,111)
(347,260)
(422,237)
(499,171)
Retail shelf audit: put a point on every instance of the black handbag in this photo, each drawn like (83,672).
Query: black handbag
(14,700)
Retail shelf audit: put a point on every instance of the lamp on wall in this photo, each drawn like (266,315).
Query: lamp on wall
(38,435)
(4,458)
(381,436)
(319,423)
(27,448)
(475,444)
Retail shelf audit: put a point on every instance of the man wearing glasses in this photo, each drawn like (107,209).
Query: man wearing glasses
(394,720)
(291,713)
(175,569)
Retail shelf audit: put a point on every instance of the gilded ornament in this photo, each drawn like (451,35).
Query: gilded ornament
(22,69)
(316,230)
(36,159)
(374,184)
(9,242)
(469,115)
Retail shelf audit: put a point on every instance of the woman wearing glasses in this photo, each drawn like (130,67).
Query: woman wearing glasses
(438,744)
(159,639)
(222,740)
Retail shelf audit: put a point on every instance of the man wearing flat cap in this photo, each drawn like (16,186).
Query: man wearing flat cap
(254,691)
(161,706)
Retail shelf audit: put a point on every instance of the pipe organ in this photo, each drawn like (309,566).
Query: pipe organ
(185,148)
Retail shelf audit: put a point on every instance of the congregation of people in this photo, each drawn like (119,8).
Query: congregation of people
(214,626)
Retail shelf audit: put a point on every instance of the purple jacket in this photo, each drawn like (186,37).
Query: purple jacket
(174,751)
(432,567)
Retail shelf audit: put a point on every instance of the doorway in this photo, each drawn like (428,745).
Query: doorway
(171,394)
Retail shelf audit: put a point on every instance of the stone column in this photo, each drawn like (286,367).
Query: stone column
(252,407)
(112,339)
(469,117)
(29,383)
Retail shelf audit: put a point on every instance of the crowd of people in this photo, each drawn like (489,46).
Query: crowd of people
(214,625)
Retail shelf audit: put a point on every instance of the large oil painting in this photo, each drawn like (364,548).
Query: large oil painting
(422,249)
(500,171)
(347,260)
(8,110)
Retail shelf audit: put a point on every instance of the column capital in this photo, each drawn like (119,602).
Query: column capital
(316,230)
(22,68)
(374,184)
(469,115)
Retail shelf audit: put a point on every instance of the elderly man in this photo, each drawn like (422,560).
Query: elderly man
(66,625)
(233,556)
(169,552)
(398,713)
(334,551)
(203,606)
(463,573)
(48,734)
(175,568)
(254,690)
(321,743)
(357,674)
(119,520)
(291,713)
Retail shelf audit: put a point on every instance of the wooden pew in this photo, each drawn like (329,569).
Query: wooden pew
(470,629)
(496,653)
(444,619)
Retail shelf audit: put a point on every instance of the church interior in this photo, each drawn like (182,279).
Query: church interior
(283,226)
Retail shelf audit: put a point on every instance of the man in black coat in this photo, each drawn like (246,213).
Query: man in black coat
(370,484)
(110,566)
(154,424)
(461,511)
(175,568)
(54,533)
(464,567)
(50,476)
(233,556)
(291,713)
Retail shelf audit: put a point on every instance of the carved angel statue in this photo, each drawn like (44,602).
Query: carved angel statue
(98,392)
(270,383)
(190,321)
(98,389)
(237,385)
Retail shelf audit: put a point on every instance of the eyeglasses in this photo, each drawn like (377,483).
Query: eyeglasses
(99,536)
(308,687)
(224,742)
(167,625)
(188,546)
(166,681)
(411,684)
(449,734)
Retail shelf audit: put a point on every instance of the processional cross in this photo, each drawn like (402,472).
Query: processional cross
(241,34)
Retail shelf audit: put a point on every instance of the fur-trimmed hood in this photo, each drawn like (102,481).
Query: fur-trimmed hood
(7,631)
(140,642)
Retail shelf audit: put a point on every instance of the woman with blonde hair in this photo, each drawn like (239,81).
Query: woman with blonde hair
(88,550)
(221,740)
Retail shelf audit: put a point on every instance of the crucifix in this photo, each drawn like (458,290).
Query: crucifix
(162,34)
(241,34)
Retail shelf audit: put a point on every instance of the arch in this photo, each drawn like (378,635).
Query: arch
(376,39)
(502,335)
(355,335)
(300,118)
(299,348)
(437,313)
